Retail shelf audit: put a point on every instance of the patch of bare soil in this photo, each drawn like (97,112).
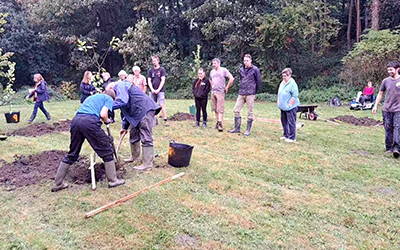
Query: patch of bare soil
(182,117)
(363,121)
(26,171)
(38,129)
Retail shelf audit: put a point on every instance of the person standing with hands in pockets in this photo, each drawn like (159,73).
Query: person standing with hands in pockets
(156,80)
(288,101)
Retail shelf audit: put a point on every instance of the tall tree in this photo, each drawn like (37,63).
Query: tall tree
(350,19)
(375,10)
(358,21)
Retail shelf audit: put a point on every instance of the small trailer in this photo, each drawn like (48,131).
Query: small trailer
(308,112)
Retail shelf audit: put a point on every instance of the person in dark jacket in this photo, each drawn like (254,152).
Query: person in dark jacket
(87,88)
(138,111)
(249,84)
(201,87)
(87,125)
(40,95)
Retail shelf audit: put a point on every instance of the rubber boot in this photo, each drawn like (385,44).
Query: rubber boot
(204,124)
(148,156)
(111,174)
(58,181)
(238,122)
(135,151)
(249,124)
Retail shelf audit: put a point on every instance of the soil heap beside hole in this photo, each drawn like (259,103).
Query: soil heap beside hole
(363,121)
(38,129)
(182,117)
(26,171)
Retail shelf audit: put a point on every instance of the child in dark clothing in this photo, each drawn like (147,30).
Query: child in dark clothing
(201,88)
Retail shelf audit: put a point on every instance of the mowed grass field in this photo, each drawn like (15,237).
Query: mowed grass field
(333,189)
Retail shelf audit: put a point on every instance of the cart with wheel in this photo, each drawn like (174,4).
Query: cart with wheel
(308,112)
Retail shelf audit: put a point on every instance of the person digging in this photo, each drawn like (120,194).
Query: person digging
(87,125)
(138,111)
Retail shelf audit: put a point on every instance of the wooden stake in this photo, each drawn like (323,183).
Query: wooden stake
(92,175)
(114,203)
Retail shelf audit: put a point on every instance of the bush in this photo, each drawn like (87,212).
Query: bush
(324,95)
(369,58)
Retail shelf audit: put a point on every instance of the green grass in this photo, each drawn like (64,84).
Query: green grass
(333,189)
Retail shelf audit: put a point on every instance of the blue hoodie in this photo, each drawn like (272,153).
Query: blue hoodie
(286,92)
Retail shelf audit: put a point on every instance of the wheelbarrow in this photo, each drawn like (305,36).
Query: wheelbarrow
(307,112)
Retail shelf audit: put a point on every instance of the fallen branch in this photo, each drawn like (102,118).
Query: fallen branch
(114,203)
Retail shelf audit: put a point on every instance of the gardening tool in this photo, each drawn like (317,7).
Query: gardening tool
(114,203)
(112,143)
(92,175)
(121,138)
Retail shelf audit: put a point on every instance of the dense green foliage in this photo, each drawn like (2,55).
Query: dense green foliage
(366,61)
(306,35)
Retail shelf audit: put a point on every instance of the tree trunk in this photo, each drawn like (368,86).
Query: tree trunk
(358,28)
(375,9)
(349,24)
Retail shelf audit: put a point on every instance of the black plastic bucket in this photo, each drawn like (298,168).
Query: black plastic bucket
(12,117)
(179,154)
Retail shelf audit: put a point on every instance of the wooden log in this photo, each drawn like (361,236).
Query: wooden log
(114,203)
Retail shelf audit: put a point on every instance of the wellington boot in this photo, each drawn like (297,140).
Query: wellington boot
(111,174)
(248,130)
(58,181)
(148,156)
(238,122)
(135,152)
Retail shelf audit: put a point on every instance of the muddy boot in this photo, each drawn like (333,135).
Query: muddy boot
(204,124)
(148,155)
(111,174)
(197,124)
(135,151)
(238,121)
(58,181)
(249,124)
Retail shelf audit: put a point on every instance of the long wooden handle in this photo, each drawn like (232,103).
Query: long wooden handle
(120,141)
(92,174)
(114,203)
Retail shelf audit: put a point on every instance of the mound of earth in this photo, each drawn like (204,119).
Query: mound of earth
(26,171)
(182,117)
(364,121)
(38,129)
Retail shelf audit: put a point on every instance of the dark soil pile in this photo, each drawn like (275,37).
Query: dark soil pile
(182,117)
(38,129)
(364,121)
(26,171)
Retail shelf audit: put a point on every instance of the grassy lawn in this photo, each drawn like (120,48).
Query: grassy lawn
(333,189)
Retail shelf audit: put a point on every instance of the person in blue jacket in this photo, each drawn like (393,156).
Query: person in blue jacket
(87,88)
(288,102)
(40,95)
(87,125)
(138,111)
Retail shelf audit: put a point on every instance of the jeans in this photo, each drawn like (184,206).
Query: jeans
(35,109)
(391,121)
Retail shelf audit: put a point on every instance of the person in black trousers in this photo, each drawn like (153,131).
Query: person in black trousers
(201,88)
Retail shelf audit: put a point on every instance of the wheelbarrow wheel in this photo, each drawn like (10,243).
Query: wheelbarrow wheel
(312,116)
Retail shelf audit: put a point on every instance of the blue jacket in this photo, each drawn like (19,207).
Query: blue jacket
(250,80)
(287,92)
(134,104)
(40,92)
(85,90)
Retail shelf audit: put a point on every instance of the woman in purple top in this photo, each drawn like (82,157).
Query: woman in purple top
(40,95)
